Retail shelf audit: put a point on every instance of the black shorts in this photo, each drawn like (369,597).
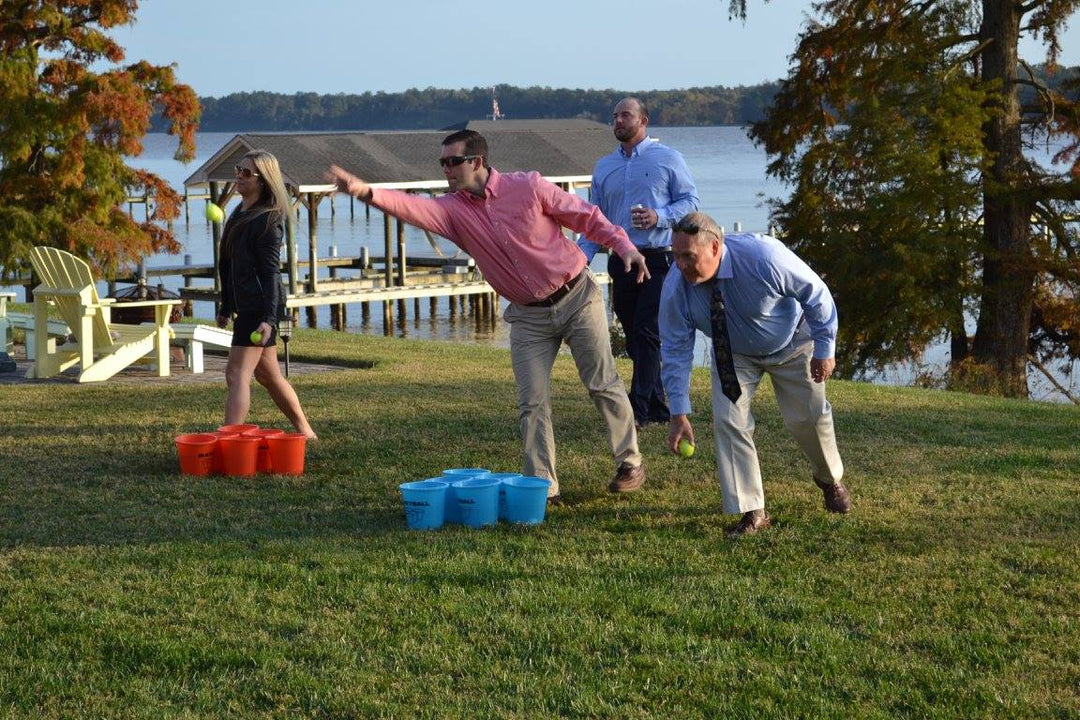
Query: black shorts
(244,324)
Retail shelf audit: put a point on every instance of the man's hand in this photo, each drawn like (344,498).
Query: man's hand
(633,258)
(678,428)
(348,183)
(643,218)
(821,370)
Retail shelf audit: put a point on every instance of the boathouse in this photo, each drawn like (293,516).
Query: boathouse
(563,151)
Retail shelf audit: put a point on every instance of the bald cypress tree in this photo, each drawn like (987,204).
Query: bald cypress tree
(70,113)
(904,132)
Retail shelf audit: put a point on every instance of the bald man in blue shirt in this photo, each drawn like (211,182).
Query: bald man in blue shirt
(780,319)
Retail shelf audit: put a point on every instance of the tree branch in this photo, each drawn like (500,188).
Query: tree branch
(1044,92)
(1053,381)
(967,56)
(1062,190)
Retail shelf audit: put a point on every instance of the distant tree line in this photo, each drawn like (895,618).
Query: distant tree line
(437,108)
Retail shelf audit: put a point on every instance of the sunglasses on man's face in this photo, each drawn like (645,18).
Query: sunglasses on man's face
(691,228)
(244,172)
(455,160)
(686,228)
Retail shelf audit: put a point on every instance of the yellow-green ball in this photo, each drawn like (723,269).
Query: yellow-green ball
(685,448)
(214,213)
(256,337)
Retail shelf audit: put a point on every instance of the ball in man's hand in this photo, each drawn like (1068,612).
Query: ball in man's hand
(685,448)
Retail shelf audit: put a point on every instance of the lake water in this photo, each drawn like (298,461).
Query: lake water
(728,169)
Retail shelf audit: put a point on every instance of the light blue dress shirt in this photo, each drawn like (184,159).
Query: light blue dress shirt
(652,175)
(767,289)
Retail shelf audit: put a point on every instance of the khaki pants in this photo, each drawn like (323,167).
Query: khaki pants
(807,416)
(536,333)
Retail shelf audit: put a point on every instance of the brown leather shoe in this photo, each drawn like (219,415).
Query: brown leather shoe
(750,523)
(555,501)
(628,478)
(837,497)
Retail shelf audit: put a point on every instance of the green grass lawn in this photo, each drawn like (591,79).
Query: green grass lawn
(130,591)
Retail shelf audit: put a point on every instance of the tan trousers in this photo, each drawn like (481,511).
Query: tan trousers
(807,416)
(536,333)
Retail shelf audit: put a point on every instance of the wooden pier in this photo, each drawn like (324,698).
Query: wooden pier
(359,279)
(367,281)
(457,280)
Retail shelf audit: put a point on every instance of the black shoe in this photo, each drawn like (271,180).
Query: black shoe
(837,497)
(750,523)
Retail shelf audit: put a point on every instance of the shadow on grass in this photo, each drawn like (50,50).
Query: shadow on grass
(330,359)
(117,510)
(111,510)
(116,484)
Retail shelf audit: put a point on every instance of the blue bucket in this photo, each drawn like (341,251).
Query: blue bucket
(478,501)
(502,477)
(526,499)
(425,501)
(450,476)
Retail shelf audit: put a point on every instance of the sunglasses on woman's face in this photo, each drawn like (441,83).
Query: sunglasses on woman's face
(244,172)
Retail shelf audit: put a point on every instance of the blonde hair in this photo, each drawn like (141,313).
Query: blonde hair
(274,197)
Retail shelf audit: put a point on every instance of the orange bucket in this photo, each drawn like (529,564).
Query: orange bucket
(239,429)
(196,452)
(287,453)
(218,468)
(262,461)
(239,454)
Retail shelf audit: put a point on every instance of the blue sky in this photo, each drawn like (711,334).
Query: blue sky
(351,46)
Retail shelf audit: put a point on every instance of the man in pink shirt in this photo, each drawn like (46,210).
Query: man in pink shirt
(512,226)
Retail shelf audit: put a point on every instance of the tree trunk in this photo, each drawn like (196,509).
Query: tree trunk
(1001,336)
(959,349)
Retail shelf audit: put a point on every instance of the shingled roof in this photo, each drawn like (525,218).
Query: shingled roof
(560,150)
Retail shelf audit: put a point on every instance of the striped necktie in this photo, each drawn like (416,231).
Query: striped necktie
(725,363)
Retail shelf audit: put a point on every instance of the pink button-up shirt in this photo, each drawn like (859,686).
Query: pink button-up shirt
(513,232)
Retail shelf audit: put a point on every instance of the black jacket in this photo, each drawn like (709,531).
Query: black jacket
(250,265)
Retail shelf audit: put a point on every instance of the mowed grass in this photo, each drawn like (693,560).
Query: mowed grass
(130,591)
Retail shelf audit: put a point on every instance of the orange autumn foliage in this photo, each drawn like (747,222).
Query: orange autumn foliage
(67,128)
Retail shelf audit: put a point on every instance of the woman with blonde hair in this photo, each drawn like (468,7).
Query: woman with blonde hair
(252,296)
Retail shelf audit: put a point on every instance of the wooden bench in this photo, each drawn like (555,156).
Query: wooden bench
(5,324)
(25,322)
(193,338)
(6,363)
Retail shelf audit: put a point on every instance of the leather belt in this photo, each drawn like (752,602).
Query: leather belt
(654,251)
(559,293)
